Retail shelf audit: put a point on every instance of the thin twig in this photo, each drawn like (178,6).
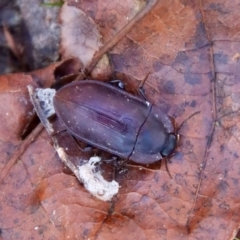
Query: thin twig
(23,146)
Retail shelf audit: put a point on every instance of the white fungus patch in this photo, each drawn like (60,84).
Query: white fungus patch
(45,97)
(95,183)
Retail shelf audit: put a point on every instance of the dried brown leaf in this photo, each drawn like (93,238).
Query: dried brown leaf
(190,53)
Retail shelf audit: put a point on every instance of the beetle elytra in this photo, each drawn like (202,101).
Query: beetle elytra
(116,121)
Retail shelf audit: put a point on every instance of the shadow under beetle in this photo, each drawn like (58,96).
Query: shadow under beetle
(116,121)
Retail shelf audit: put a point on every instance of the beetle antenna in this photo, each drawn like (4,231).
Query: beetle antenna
(193,114)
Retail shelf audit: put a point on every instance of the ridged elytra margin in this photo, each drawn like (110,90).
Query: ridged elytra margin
(116,121)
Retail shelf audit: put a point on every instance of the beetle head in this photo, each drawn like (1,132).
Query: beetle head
(170,145)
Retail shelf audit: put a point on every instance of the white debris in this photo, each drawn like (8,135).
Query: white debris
(95,183)
(45,97)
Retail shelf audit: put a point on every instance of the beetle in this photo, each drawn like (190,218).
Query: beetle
(116,121)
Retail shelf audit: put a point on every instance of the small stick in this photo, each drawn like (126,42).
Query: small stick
(23,146)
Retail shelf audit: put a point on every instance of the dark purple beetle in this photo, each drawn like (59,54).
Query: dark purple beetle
(116,121)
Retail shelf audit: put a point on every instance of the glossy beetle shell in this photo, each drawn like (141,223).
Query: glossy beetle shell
(111,119)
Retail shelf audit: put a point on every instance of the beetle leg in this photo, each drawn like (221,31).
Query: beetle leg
(86,148)
(142,93)
(117,162)
(140,88)
(119,83)
(122,164)
(111,160)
